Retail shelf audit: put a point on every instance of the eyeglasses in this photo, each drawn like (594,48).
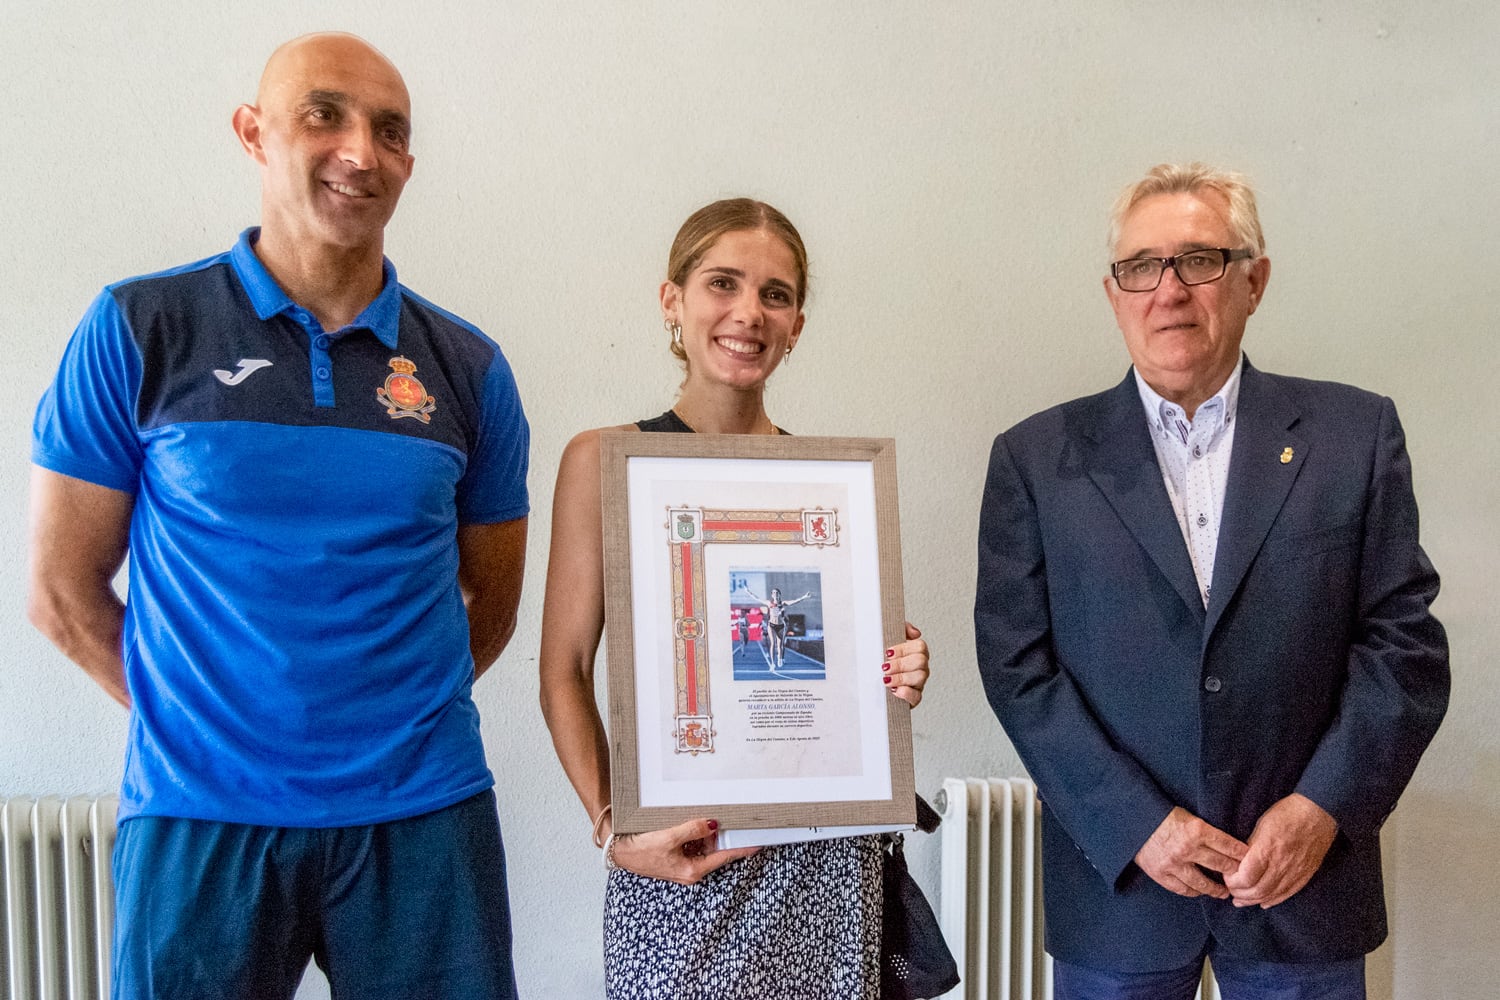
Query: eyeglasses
(1193,267)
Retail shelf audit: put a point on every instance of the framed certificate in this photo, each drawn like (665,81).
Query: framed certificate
(752,586)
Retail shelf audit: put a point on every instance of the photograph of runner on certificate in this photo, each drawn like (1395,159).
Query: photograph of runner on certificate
(752,587)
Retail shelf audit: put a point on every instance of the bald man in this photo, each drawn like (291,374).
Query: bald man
(320,481)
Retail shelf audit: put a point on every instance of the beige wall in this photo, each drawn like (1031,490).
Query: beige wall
(949,166)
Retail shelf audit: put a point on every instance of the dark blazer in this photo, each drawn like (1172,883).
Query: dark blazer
(1316,668)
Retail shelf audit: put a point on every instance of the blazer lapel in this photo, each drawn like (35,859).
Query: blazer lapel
(1267,458)
(1123,466)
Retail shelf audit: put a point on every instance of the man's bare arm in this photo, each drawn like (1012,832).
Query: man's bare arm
(491,565)
(80,533)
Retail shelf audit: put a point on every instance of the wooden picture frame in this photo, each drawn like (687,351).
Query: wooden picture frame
(787,725)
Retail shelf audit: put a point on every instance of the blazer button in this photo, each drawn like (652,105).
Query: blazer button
(1212,684)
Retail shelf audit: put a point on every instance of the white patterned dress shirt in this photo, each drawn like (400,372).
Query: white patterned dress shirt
(1194,460)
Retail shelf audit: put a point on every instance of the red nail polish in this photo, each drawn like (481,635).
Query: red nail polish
(890,653)
(713,824)
(885,666)
(886,679)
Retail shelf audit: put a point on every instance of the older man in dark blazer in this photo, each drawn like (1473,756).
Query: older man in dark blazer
(1203,620)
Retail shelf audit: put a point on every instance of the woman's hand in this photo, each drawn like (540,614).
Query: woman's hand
(906,667)
(681,854)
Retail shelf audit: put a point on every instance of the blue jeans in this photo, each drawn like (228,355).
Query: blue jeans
(1238,979)
(413,908)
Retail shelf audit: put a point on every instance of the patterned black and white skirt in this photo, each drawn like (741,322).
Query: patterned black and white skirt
(793,922)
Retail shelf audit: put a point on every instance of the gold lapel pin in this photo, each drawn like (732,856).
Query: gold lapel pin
(1286,455)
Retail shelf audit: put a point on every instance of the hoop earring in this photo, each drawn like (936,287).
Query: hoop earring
(786,358)
(675,329)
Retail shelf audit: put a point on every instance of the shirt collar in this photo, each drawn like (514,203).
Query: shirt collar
(382,316)
(1159,411)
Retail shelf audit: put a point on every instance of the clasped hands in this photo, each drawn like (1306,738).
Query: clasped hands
(1281,855)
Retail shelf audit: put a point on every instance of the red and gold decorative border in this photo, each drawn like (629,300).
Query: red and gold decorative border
(690,529)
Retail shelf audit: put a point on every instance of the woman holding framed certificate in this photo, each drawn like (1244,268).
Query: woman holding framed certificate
(683,919)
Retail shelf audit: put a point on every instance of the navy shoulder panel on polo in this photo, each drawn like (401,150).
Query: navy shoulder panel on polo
(207,356)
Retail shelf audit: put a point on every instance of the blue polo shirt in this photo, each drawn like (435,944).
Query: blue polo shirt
(295,640)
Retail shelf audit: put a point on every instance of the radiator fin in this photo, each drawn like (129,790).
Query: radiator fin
(58,896)
(990,909)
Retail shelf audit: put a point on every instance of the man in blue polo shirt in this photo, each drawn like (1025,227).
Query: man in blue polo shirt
(320,480)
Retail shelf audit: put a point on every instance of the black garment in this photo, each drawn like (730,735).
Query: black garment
(671,423)
(667,423)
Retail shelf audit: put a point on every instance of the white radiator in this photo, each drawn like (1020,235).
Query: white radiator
(58,897)
(991,904)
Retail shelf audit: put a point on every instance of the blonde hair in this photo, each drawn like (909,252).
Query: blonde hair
(1192,178)
(732,215)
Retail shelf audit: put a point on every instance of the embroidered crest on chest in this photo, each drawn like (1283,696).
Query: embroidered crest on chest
(403,395)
